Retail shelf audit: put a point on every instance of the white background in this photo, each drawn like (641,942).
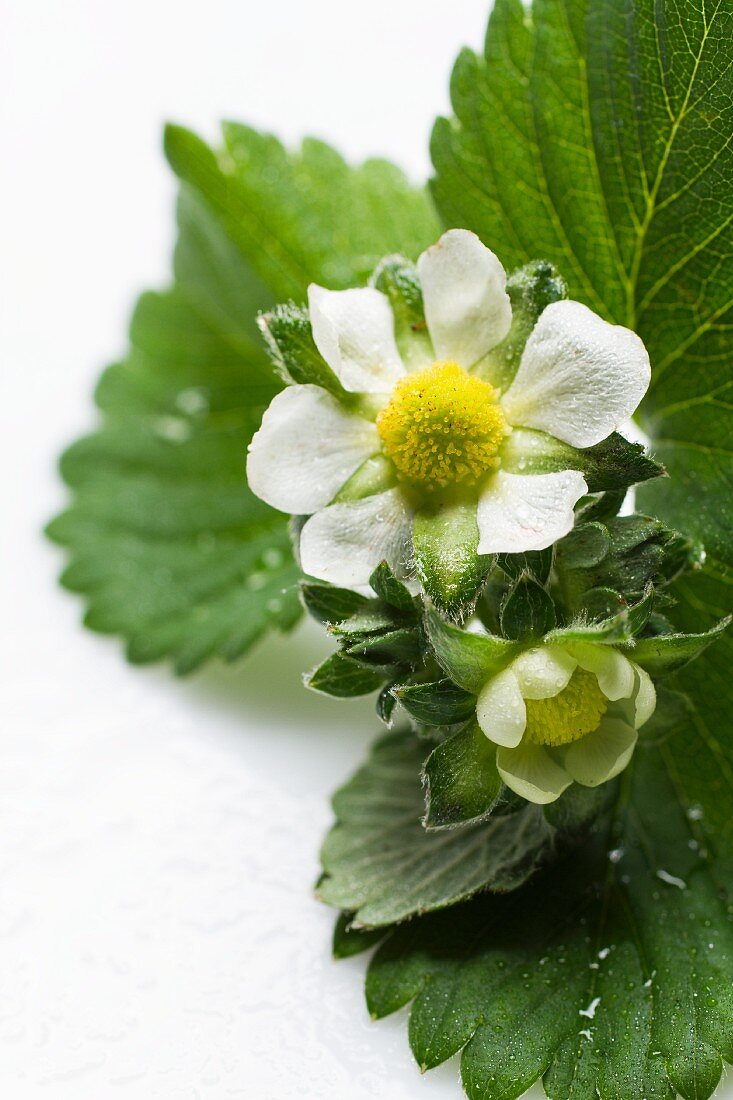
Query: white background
(158,839)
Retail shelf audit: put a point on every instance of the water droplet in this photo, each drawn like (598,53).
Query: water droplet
(172,429)
(592,1008)
(671,880)
(193,400)
(272,558)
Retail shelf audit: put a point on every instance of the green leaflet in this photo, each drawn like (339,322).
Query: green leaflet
(166,543)
(610,974)
(381,865)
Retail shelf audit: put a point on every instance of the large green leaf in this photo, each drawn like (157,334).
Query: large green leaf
(611,974)
(167,544)
(382,866)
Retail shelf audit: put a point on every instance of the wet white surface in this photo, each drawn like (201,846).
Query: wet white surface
(158,839)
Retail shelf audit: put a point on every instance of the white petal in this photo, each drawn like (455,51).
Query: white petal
(354,332)
(467,307)
(530,772)
(645,700)
(345,543)
(305,449)
(543,671)
(601,755)
(500,709)
(518,512)
(580,377)
(615,674)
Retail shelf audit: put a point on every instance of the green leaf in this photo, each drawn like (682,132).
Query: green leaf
(304,217)
(349,941)
(344,678)
(528,611)
(615,115)
(166,543)
(468,658)
(381,864)
(606,976)
(463,784)
(445,538)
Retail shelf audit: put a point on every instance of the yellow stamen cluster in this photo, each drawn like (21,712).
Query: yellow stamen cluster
(442,426)
(568,716)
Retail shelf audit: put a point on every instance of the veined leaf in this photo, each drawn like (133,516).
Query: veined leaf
(382,866)
(167,544)
(608,975)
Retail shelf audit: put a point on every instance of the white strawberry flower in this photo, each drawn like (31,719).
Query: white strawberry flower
(561,714)
(430,424)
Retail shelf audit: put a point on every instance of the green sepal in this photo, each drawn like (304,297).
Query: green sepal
(375,475)
(328,604)
(639,550)
(531,288)
(469,659)
(612,464)
(349,941)
(401,646)
(616,630)
(578,808)
(538,563)
(600,604)
(391,590)
(601,507)
(462,782)
(445,539)
(666,653)
(583,547)
(397,278)
(289,340)
(372,619)
(528,611)
(344,678)
(439,703)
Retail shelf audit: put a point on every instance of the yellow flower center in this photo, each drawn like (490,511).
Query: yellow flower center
(569,715)
(442,426)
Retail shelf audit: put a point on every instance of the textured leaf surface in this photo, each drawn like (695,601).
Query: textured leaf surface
(167,544)
(381,865)
(609,974)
